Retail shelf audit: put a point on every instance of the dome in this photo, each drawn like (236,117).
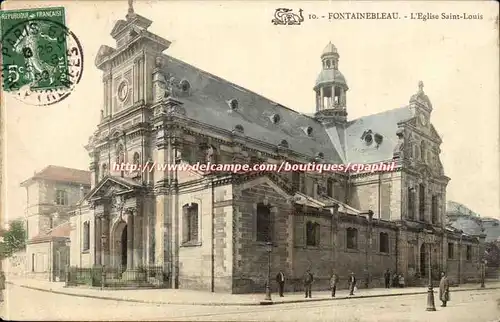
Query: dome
(329,49)
(330,76)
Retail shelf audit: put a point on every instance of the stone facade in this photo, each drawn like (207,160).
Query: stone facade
(219,231)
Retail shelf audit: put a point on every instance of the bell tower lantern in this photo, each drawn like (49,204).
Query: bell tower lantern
(331,88)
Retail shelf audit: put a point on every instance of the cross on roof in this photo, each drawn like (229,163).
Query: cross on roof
(421,86)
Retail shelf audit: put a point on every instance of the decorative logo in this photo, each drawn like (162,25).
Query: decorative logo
(285,16)
(123,91)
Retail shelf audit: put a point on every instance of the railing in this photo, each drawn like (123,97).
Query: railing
(117,277)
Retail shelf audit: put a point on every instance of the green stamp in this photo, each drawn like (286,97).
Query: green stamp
(42,60)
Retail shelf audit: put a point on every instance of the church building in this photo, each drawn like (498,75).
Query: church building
(216,231)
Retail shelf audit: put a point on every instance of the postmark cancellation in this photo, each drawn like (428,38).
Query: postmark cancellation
(42,60)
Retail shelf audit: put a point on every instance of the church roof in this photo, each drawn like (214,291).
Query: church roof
(384,124)
(208,103)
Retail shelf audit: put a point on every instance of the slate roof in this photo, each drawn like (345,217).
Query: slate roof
(61,174)
(208,103)
(385,124)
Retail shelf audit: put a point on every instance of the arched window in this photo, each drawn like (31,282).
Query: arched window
(384,243)
(264,223)
(191,216)
(86,236)
(352,238)
(312,234)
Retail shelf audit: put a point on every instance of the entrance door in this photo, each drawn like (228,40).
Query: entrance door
(423,262)
(124,247)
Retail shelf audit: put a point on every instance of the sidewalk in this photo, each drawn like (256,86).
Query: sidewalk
(189,297)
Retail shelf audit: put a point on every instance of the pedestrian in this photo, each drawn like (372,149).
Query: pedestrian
(444,289)
(387,278)
(2,285)
(352,283)
(333,283)
(395,280)
(308,280)
(401,281)
(280,278)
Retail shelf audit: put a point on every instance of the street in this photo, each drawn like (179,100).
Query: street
(27,304)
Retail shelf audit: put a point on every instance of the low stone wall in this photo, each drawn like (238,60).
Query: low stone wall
(15,265)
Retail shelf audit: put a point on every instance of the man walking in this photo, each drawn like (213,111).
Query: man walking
(352,283)
(444,289)
(333,283)
(280,278)
(308,280)
(387,278)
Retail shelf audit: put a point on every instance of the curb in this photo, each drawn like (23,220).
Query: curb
(238,304)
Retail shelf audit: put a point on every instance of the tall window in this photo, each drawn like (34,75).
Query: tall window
(435,209)
(191,223)
(330,188)
(451,251)
(469,253)
(33,258)
(61,197)
(264,223)
(421,207)
(312,233)
(411,203)
(86,236)
(296,180)
(352,238)
(384,243)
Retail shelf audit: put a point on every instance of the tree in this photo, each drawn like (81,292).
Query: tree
(14,239)
(492,254)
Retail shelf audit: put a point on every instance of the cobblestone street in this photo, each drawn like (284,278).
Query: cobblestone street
(27,304)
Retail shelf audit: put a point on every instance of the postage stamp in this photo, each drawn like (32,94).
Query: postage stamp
(42,60)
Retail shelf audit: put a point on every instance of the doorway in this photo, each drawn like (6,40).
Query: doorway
(124,245)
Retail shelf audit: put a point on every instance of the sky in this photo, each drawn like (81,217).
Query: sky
(382,60)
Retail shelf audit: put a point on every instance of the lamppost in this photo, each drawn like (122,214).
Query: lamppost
(67,277)
(269,249)
(430,292)
(104,238)
(483,272)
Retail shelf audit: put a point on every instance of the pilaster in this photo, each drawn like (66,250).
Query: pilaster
(106,241)
(130,240)
(97,238)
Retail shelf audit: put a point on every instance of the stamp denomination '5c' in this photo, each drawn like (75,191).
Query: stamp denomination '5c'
(42,60)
